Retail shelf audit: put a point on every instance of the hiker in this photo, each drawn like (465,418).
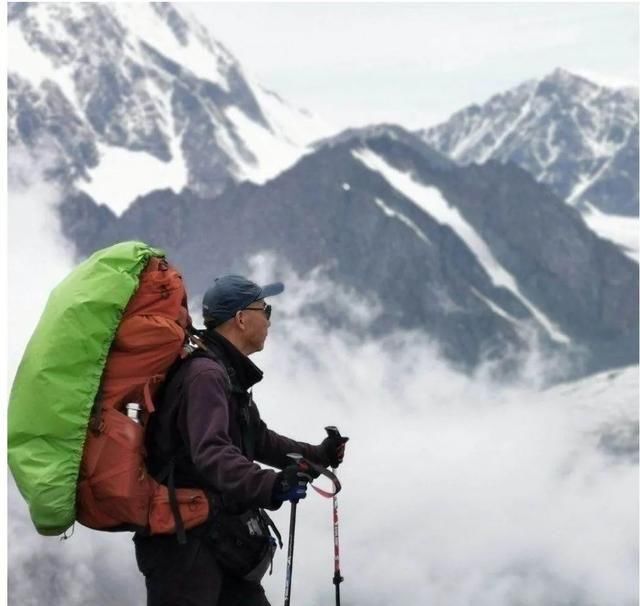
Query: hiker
(208,431)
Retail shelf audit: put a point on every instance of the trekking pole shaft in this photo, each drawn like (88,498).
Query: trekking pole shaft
(337,577)
(333,431)
(292,532)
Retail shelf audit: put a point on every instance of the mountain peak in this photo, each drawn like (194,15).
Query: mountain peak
(577,137)
(387,135)
(142,93)
(364,133)
(563,76)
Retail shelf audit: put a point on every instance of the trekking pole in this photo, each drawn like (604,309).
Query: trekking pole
(292,530)
(304,465)
(332,431)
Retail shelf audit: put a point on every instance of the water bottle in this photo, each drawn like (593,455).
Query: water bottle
(133,411)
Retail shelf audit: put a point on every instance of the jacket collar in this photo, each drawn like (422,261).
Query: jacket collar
(246,373)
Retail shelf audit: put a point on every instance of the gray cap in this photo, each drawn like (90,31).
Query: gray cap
(231,293)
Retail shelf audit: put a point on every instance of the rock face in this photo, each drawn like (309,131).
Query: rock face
(579,138)
(481,257)
(143,87)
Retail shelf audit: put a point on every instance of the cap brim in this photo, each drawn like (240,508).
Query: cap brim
(271,290)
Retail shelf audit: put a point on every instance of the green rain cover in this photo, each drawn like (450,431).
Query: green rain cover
(59,376)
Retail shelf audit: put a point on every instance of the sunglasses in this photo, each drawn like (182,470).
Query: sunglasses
(266,309)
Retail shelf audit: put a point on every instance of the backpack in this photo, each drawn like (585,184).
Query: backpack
(109,333)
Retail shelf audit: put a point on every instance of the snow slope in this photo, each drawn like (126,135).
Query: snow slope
(623,231)
(430,200)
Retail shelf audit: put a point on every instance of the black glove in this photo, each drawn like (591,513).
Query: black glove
(291,484)
(333,449)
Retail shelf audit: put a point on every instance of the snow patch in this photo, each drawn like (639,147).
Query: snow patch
(496,310)
(34,66)
(274,155)
(394,214)
(146,25)
(622,231)
(296,126)
(431,201)
(123,175)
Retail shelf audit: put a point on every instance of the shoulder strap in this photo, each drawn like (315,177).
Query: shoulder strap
(244,402)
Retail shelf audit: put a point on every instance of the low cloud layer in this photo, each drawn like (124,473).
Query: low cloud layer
(457,490)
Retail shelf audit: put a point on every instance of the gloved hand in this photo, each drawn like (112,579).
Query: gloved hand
(333,449)
(291,484)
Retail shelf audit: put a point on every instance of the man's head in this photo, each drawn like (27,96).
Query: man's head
(234,306)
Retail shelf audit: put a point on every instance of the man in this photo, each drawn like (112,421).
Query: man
(209,426)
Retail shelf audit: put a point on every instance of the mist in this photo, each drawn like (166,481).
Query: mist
(457,489)
(39,256)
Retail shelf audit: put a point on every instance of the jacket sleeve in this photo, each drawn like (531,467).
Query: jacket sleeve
(272,448)
(219,462)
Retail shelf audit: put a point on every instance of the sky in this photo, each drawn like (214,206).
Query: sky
(416,63)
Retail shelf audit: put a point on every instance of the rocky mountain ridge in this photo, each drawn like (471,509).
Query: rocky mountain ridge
(482,258)
(579,138)
(133,97)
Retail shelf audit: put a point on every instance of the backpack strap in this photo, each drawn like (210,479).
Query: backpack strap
(270,524)
(244,417)
(167,473)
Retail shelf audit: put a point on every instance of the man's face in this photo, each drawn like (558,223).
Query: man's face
(256,325)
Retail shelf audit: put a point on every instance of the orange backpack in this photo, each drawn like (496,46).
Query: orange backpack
(115,490)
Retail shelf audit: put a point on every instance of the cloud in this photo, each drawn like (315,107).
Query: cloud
(456,490)
(38,254)
(45,570)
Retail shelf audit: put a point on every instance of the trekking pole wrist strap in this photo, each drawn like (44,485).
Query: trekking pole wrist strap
(323,471)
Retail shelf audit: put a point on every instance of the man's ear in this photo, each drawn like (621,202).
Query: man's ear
(239,320)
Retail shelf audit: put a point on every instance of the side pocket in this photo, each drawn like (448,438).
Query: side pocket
(242,548)
(115,487)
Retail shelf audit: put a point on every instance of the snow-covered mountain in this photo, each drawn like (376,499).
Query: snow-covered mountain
(128,98)
(579,138)
(149,118)
(482,258)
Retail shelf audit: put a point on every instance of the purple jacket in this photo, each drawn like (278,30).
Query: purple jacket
(209,418)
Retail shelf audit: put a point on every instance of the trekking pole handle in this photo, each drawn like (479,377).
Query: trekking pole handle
(332,431)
